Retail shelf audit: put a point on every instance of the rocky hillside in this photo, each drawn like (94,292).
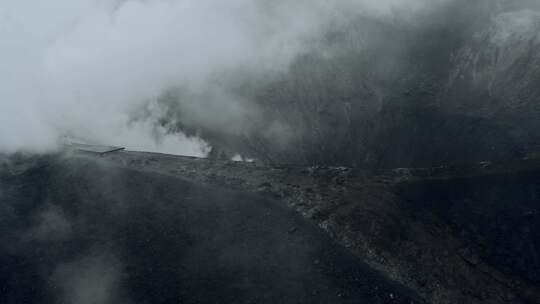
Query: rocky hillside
(453,234)
(133,225)
(459,83)
(79,229)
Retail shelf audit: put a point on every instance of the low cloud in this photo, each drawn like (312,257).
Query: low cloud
(81,67)
(92,279)
(51,225)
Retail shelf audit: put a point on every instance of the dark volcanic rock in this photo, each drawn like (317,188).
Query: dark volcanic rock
(454,234)
(88,230)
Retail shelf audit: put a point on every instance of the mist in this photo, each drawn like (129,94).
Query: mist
(363,116)
(81,69)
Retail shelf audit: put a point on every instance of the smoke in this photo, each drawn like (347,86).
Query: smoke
(51,225)
(91,279)
(82,68)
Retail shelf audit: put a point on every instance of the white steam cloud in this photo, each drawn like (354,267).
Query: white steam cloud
(92,279)
(79,68)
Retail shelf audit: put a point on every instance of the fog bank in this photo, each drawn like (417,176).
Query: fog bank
(82,68)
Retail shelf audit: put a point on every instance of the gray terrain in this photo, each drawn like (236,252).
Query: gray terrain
(132,227)
(78,229)
(394,160)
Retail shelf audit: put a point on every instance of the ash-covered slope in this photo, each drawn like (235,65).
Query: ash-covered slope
(152,228)
(79,229)
(453,234)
